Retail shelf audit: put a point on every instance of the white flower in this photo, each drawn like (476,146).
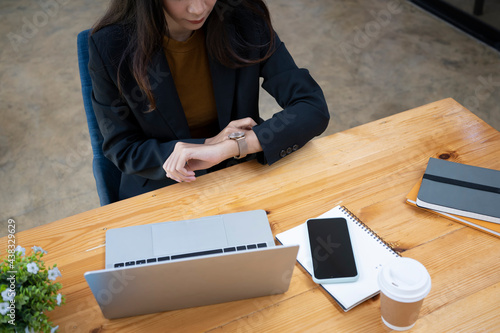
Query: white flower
(8,295)
(21,249)
(54,329)
(59,299)
(54,273)
(38,249)
(32,267)
(4,308)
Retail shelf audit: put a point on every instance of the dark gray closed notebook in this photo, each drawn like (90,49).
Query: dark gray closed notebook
(461,189)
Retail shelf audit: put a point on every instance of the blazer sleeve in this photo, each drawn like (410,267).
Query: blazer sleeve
(305,112)
(125,143)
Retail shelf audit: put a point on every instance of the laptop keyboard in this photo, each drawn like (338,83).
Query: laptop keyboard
(189,255)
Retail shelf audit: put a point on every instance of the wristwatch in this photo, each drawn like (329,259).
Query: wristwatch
(239,137)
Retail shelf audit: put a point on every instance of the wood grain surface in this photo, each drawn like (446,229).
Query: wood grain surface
(369,169)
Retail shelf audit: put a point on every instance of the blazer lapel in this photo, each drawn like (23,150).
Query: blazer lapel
(168,103)
(223,80)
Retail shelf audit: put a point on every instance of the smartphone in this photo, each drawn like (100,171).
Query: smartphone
(331,250)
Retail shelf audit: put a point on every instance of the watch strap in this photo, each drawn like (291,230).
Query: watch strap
(242,146)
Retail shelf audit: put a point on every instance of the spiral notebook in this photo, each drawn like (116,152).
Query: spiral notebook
(372,252)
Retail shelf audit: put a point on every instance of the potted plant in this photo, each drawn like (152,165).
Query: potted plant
(28,291)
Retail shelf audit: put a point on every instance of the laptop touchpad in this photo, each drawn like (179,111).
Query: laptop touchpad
(188,236)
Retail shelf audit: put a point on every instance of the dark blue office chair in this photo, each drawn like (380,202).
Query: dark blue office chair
(107,175)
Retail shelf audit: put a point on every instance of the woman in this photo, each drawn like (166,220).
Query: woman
(176,84)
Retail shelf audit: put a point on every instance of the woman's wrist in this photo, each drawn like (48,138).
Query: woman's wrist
(230,149)
(252,145)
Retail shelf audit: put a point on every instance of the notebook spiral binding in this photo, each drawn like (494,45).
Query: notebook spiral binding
(370,231)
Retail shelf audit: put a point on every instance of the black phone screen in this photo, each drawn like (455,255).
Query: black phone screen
(331,248)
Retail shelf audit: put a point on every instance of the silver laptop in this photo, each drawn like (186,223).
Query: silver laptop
(174,265)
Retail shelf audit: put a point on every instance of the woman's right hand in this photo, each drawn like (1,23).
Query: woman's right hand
(239,125)
(189,157)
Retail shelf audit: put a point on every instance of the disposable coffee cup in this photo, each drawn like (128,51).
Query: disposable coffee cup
(404,283)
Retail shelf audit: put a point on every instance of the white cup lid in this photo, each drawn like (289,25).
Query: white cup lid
(404,280)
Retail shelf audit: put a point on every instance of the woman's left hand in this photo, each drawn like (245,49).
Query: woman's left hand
(244,124)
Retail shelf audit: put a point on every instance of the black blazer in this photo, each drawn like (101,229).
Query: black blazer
(138,142)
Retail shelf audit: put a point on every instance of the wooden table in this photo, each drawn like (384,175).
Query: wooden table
(369,169)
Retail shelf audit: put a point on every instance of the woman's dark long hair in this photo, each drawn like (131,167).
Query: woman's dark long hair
(145,22)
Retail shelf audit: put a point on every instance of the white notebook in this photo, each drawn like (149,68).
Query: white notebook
(371,254)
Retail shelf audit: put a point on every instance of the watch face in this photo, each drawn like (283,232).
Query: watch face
(236,135)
